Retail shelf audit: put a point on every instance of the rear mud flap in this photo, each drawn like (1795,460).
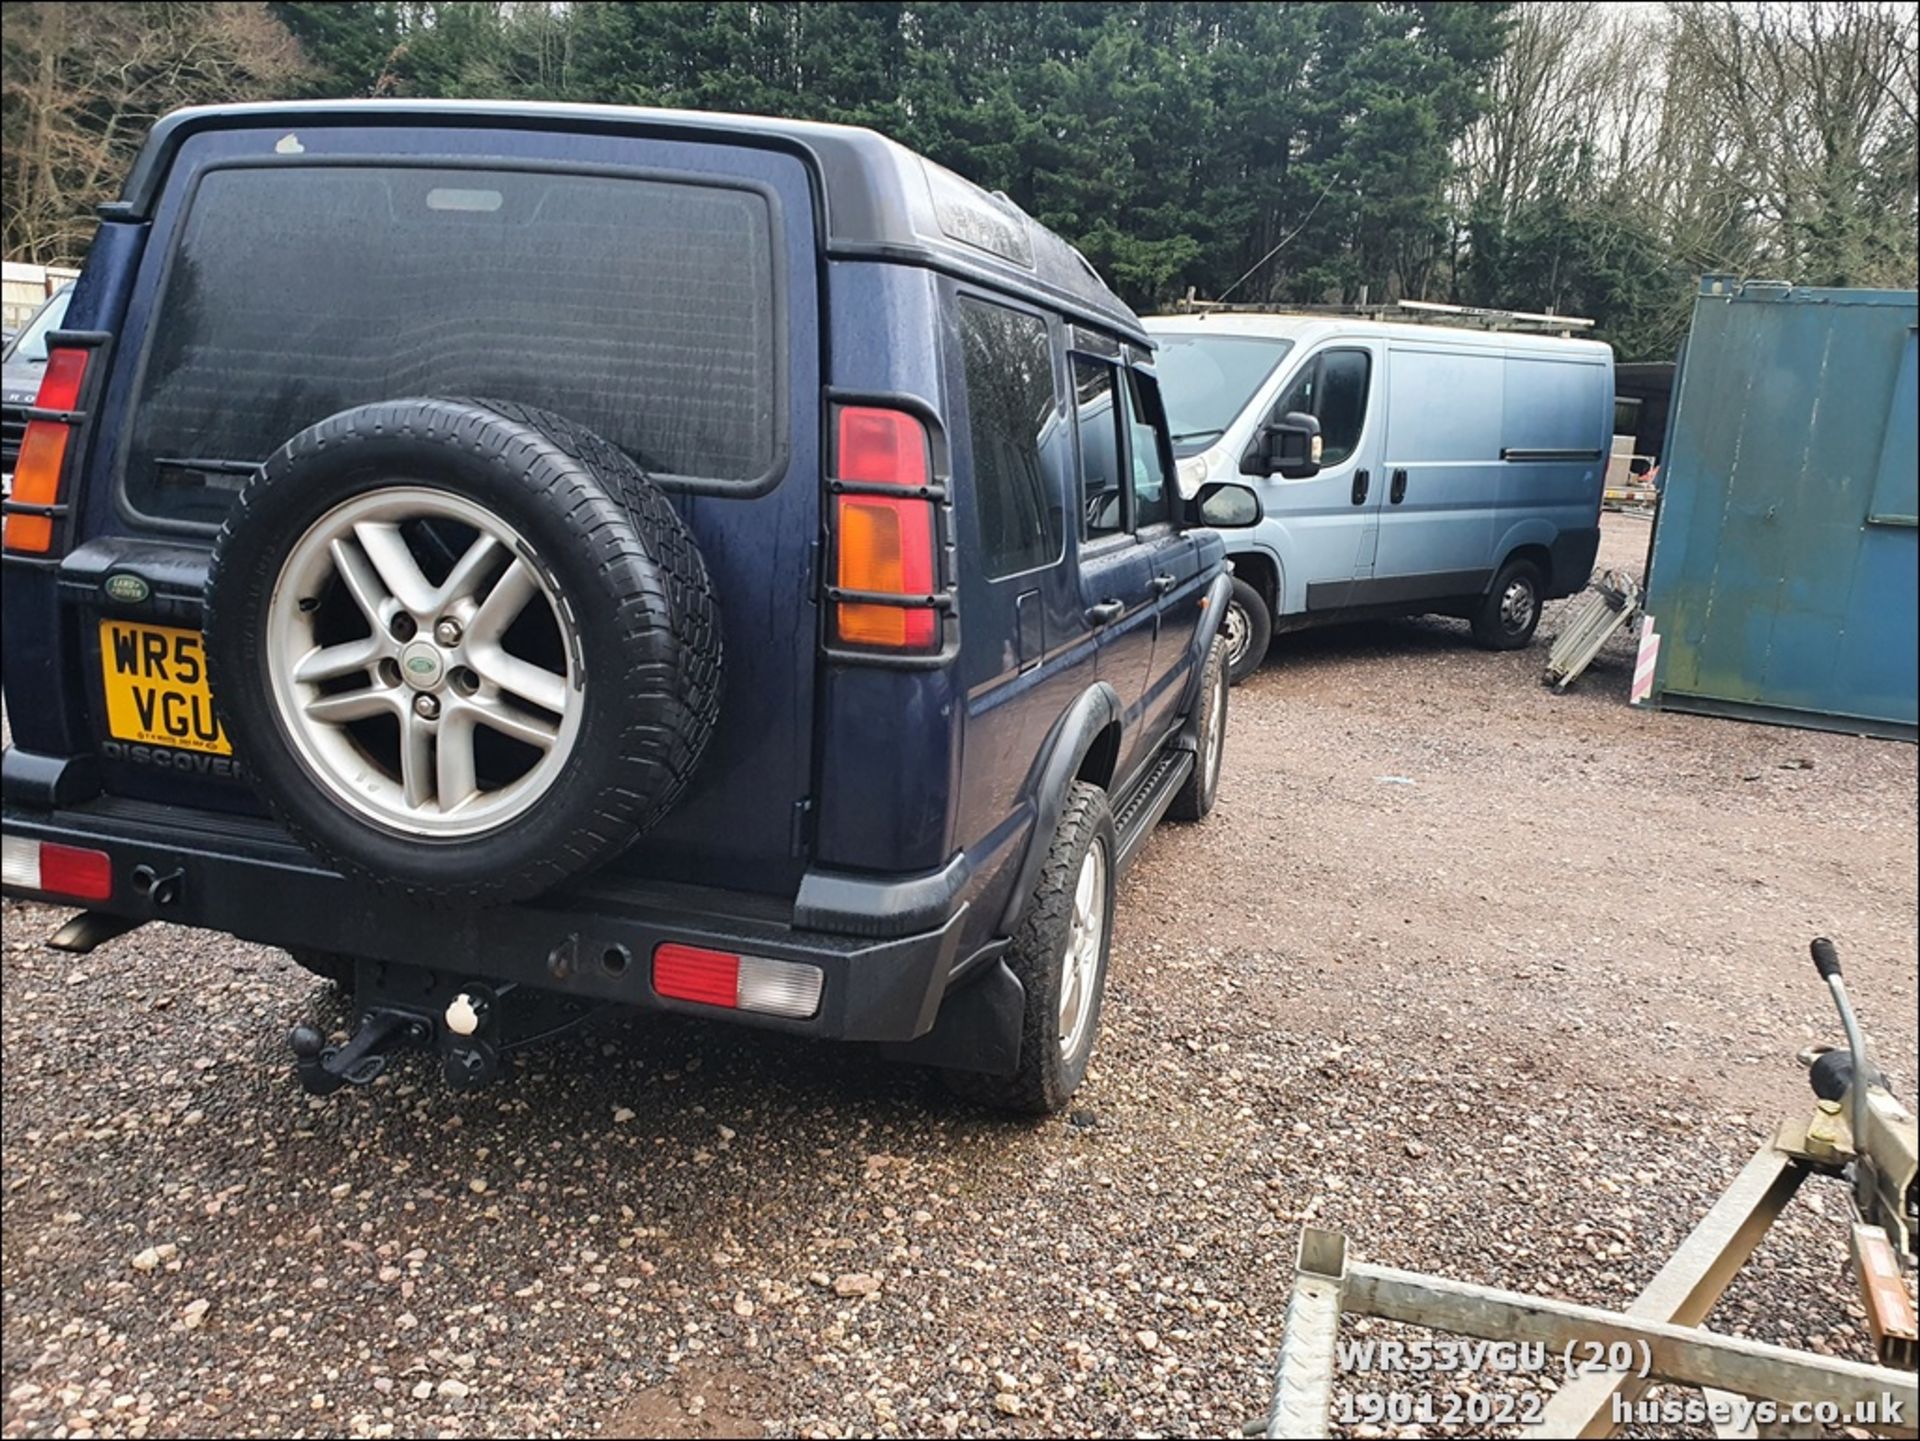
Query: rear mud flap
(978,1028)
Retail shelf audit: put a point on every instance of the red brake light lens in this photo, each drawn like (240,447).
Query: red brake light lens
(693,973)
(60,386)
(881,447)
(70,871)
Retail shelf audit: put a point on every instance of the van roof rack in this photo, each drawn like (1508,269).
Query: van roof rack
(1426,312)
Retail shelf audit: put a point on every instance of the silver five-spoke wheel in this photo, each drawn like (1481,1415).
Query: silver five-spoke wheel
(1086,934)
(424,669)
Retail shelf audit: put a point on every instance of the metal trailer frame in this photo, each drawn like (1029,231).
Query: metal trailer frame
(1660,1328)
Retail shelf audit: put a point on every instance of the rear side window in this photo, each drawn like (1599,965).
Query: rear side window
(642,309)
(1021,450)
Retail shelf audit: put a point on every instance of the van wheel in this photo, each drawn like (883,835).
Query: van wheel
(1196,797)
(1509,615)
(1060,956)
(1248,631)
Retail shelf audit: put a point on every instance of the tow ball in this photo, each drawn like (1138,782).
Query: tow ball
(404,1008)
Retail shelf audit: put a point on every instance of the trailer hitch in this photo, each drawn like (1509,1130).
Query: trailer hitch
(323,1069)
(473,1025)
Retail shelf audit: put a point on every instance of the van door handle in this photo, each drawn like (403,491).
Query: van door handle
(1360,487)
(1162,584)
(1106,612)
(1399,491)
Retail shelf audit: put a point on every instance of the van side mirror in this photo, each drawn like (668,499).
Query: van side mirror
(1226,506)
(1288,447)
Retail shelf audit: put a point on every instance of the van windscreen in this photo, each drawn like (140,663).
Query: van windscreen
(1206,380)
(642,309)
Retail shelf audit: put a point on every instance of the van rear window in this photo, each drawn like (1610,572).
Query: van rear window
(642,309)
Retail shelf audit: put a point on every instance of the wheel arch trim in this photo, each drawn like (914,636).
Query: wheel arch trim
(1073,736)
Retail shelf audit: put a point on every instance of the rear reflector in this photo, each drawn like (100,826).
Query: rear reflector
(688,973)
(62,870)
(735,982)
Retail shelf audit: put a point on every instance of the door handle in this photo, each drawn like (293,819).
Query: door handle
(1162,584)
(1106,612)
(1399,491)
(1360,479)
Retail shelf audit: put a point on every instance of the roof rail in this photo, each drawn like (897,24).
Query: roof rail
(1420,311)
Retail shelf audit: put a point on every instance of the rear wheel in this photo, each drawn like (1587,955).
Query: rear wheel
(1060,955)
(1510,614)
(1247,630)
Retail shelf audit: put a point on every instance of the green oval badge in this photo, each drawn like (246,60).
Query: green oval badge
(421,665)
(130,589)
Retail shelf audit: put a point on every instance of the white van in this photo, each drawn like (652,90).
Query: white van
(1401,469)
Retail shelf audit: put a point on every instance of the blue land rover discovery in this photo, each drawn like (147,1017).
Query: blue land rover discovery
(525,558)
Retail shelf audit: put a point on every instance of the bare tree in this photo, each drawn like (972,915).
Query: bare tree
(1805,112)
(84,82)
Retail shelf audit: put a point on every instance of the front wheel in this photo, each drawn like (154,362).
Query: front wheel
(1247,630)
(1060,955)
(1510,614)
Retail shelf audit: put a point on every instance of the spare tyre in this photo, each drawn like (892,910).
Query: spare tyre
(464,649)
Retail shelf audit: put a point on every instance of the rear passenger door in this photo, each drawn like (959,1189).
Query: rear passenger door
(1116,569)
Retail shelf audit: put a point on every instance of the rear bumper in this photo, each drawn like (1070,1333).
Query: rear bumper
(248,879)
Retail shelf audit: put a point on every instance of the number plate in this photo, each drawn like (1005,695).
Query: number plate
(156,679)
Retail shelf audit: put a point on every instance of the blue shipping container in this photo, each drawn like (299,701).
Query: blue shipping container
(1782,579)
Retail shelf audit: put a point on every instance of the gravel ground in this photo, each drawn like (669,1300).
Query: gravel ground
(1505,983)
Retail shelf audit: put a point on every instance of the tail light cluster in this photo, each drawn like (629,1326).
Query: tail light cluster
(81,875)
(736,982)
(40,471)
(886,590)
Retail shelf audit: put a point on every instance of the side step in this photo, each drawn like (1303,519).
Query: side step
(1135,821)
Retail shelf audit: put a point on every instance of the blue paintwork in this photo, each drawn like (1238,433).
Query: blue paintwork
(1443,405)
(1783,572)
(836,765)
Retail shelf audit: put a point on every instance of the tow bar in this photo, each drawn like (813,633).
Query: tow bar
(399,1007)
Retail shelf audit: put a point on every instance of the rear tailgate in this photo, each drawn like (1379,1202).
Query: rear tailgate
(659,290)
